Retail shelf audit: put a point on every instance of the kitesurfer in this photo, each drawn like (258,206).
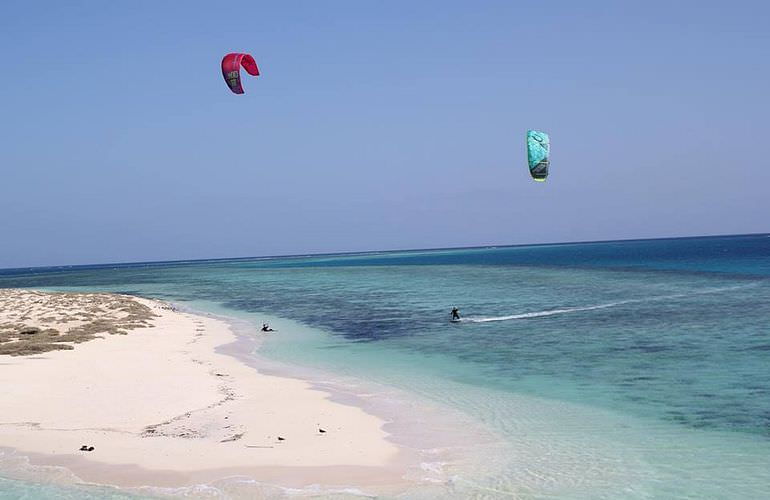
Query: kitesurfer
(455,314)
(266,328)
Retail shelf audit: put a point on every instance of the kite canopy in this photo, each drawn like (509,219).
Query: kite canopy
(231,69)
(538,151)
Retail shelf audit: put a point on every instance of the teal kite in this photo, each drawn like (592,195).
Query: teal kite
(538,151)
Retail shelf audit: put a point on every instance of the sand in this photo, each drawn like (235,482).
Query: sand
(162,407)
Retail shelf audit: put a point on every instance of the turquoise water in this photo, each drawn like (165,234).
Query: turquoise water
(636,369)
(22,490)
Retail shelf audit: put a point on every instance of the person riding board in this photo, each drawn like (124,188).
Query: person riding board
(455,314)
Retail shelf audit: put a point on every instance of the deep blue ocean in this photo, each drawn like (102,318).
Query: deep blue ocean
(624,369)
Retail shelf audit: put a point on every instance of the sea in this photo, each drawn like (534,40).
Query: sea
(632,369)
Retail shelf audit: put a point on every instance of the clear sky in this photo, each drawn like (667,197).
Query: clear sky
(375,125)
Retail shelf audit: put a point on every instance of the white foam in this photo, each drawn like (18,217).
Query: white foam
(541,313)
(552,312)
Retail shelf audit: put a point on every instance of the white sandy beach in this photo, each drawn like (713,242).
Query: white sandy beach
(161,407)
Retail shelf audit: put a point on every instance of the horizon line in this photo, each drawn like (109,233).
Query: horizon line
(362,252)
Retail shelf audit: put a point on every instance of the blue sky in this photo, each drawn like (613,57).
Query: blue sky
(375,125)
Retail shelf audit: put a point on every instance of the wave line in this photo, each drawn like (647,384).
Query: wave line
(552,312)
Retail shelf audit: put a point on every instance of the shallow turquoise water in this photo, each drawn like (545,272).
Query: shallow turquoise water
(14,489)
(637,369)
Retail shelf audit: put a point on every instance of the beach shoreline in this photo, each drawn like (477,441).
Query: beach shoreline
(148,427)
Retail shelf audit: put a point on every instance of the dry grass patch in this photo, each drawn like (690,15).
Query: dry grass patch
(32,322)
